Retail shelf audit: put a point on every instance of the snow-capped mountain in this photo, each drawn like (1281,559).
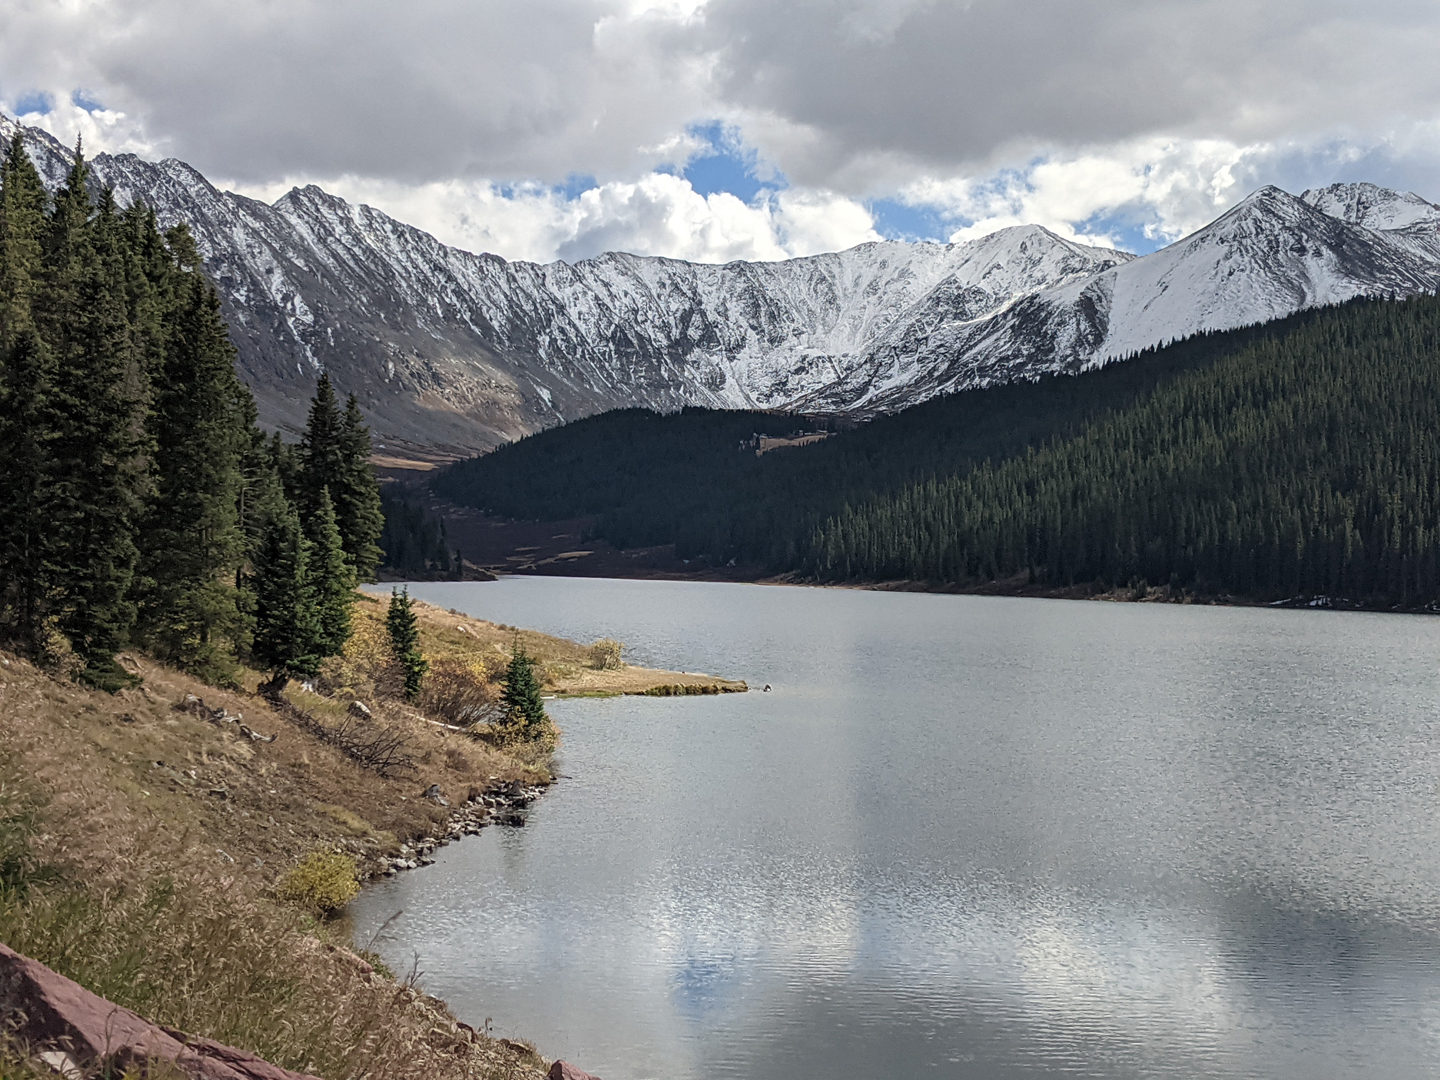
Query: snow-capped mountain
(453,352)
(1269,256)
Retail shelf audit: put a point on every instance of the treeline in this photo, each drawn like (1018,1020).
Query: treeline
(691,479)
(1306,464)
(142,505)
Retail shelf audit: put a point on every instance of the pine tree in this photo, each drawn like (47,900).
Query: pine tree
(192,541)
(523,703)
(404,633)
(98,393)
(333,581)
(285,461)
(22,229)
(358,501)
(262,500)
(322,461)
(335,454)
(27,423)
(151,285)
(26,537)
(287,638)
(256,474)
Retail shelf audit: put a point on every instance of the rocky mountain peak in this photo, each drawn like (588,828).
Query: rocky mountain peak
(452,352)
(1372,206)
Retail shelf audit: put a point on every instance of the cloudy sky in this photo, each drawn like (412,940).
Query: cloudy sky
(723,129)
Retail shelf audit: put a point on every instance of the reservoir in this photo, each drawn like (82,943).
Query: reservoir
(961,837)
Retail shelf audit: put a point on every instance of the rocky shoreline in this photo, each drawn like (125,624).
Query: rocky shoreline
(501,804)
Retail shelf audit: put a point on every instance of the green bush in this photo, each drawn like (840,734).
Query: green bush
(323,883)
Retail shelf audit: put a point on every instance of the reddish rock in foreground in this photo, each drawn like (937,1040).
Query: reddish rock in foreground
(51,1013)
(563,1070)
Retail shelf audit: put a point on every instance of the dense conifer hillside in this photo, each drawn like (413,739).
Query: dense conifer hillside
(413,540)
(1306,464)
(693,479)
(1293,458)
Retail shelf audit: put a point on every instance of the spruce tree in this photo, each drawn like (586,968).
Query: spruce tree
(151,288)
(99,389)
(285,461)
(22,230)
(287,619)
(333,581)
(27,424)
(321,458)
(335,454)
(523,703)
(192,541)
(27,558)
(256,471)
(358,501)
(262,500)
(404,633)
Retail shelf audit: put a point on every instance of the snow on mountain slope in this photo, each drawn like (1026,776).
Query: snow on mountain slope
(1372,206)
(452,352)
(1269,256)
(1402,216)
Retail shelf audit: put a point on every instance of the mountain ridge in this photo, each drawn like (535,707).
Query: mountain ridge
(451,352)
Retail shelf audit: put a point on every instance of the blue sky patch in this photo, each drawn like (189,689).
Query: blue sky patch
(85,100)
(727,165)
(1126,230)
(35,101)
(896,220)
(576,184)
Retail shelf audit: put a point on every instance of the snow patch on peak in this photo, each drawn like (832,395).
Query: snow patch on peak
(1372,206)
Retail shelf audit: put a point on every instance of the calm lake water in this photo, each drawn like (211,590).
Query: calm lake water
(962,837)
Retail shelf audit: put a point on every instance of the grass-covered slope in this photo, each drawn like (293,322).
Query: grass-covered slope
(167,846)
(140,849)
(1307,463)
(149,841)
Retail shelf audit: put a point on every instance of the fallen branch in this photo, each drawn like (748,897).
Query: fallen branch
(359,737)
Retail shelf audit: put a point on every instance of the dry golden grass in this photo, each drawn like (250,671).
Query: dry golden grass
(568,668)
(169,831)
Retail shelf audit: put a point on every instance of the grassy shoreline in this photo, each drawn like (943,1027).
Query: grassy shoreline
(143,835)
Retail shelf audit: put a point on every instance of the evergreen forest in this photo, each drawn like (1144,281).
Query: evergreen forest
(1296,458)
(143,507)
(414,540)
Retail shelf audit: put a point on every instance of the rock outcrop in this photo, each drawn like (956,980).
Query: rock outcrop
(563,1070)
(76,1032)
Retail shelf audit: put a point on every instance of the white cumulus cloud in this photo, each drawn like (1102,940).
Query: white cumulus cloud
(658,214)
(1107,119)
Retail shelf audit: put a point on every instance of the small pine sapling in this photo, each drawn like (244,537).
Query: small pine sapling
(405,641)
(523,706)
